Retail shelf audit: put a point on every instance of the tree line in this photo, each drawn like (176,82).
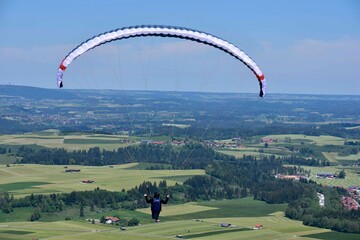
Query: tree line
(332,215)
(245,130)
(191,156)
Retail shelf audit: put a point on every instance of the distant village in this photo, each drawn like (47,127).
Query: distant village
(233,144)
(352,200)
(349,201)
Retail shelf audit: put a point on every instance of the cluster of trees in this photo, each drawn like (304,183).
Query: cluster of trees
(4,150)
(332,216)
(191,156)
(56,202)
(245,130)
(36,215)
(352,143)
(6,202)
(297,160)
(10,127)
(279,191)
(342,174)
(347,152)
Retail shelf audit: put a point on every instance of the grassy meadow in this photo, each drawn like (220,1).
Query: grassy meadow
(318,140)
(53,139)
(256,152)
(21,180)
(334,157)
(351,179)
(324,146)
(199,221)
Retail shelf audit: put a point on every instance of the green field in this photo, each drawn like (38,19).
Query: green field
(244,207)
(334,157)
(22,180)
(318,140)
(322,146)
(201,221)
(53,139)
(351,179)
(253,151)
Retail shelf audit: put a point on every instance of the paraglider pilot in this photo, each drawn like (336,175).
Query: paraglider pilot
(156,203)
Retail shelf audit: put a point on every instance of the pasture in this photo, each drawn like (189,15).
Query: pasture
(351,179)
(245,207)
(257,152)
(298,138)
(53,139)
(334,157)
(201,222)
(323,144)
(21,180)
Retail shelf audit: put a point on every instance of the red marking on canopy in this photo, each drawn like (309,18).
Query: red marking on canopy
(62,67)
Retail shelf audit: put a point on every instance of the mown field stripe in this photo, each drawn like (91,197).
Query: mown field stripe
(211,233)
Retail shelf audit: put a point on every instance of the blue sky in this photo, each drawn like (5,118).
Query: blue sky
(308,46)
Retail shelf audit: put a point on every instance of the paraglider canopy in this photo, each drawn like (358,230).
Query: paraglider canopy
(162,31)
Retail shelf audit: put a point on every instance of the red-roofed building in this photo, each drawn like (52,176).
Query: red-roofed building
(111,219)
(350,203)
